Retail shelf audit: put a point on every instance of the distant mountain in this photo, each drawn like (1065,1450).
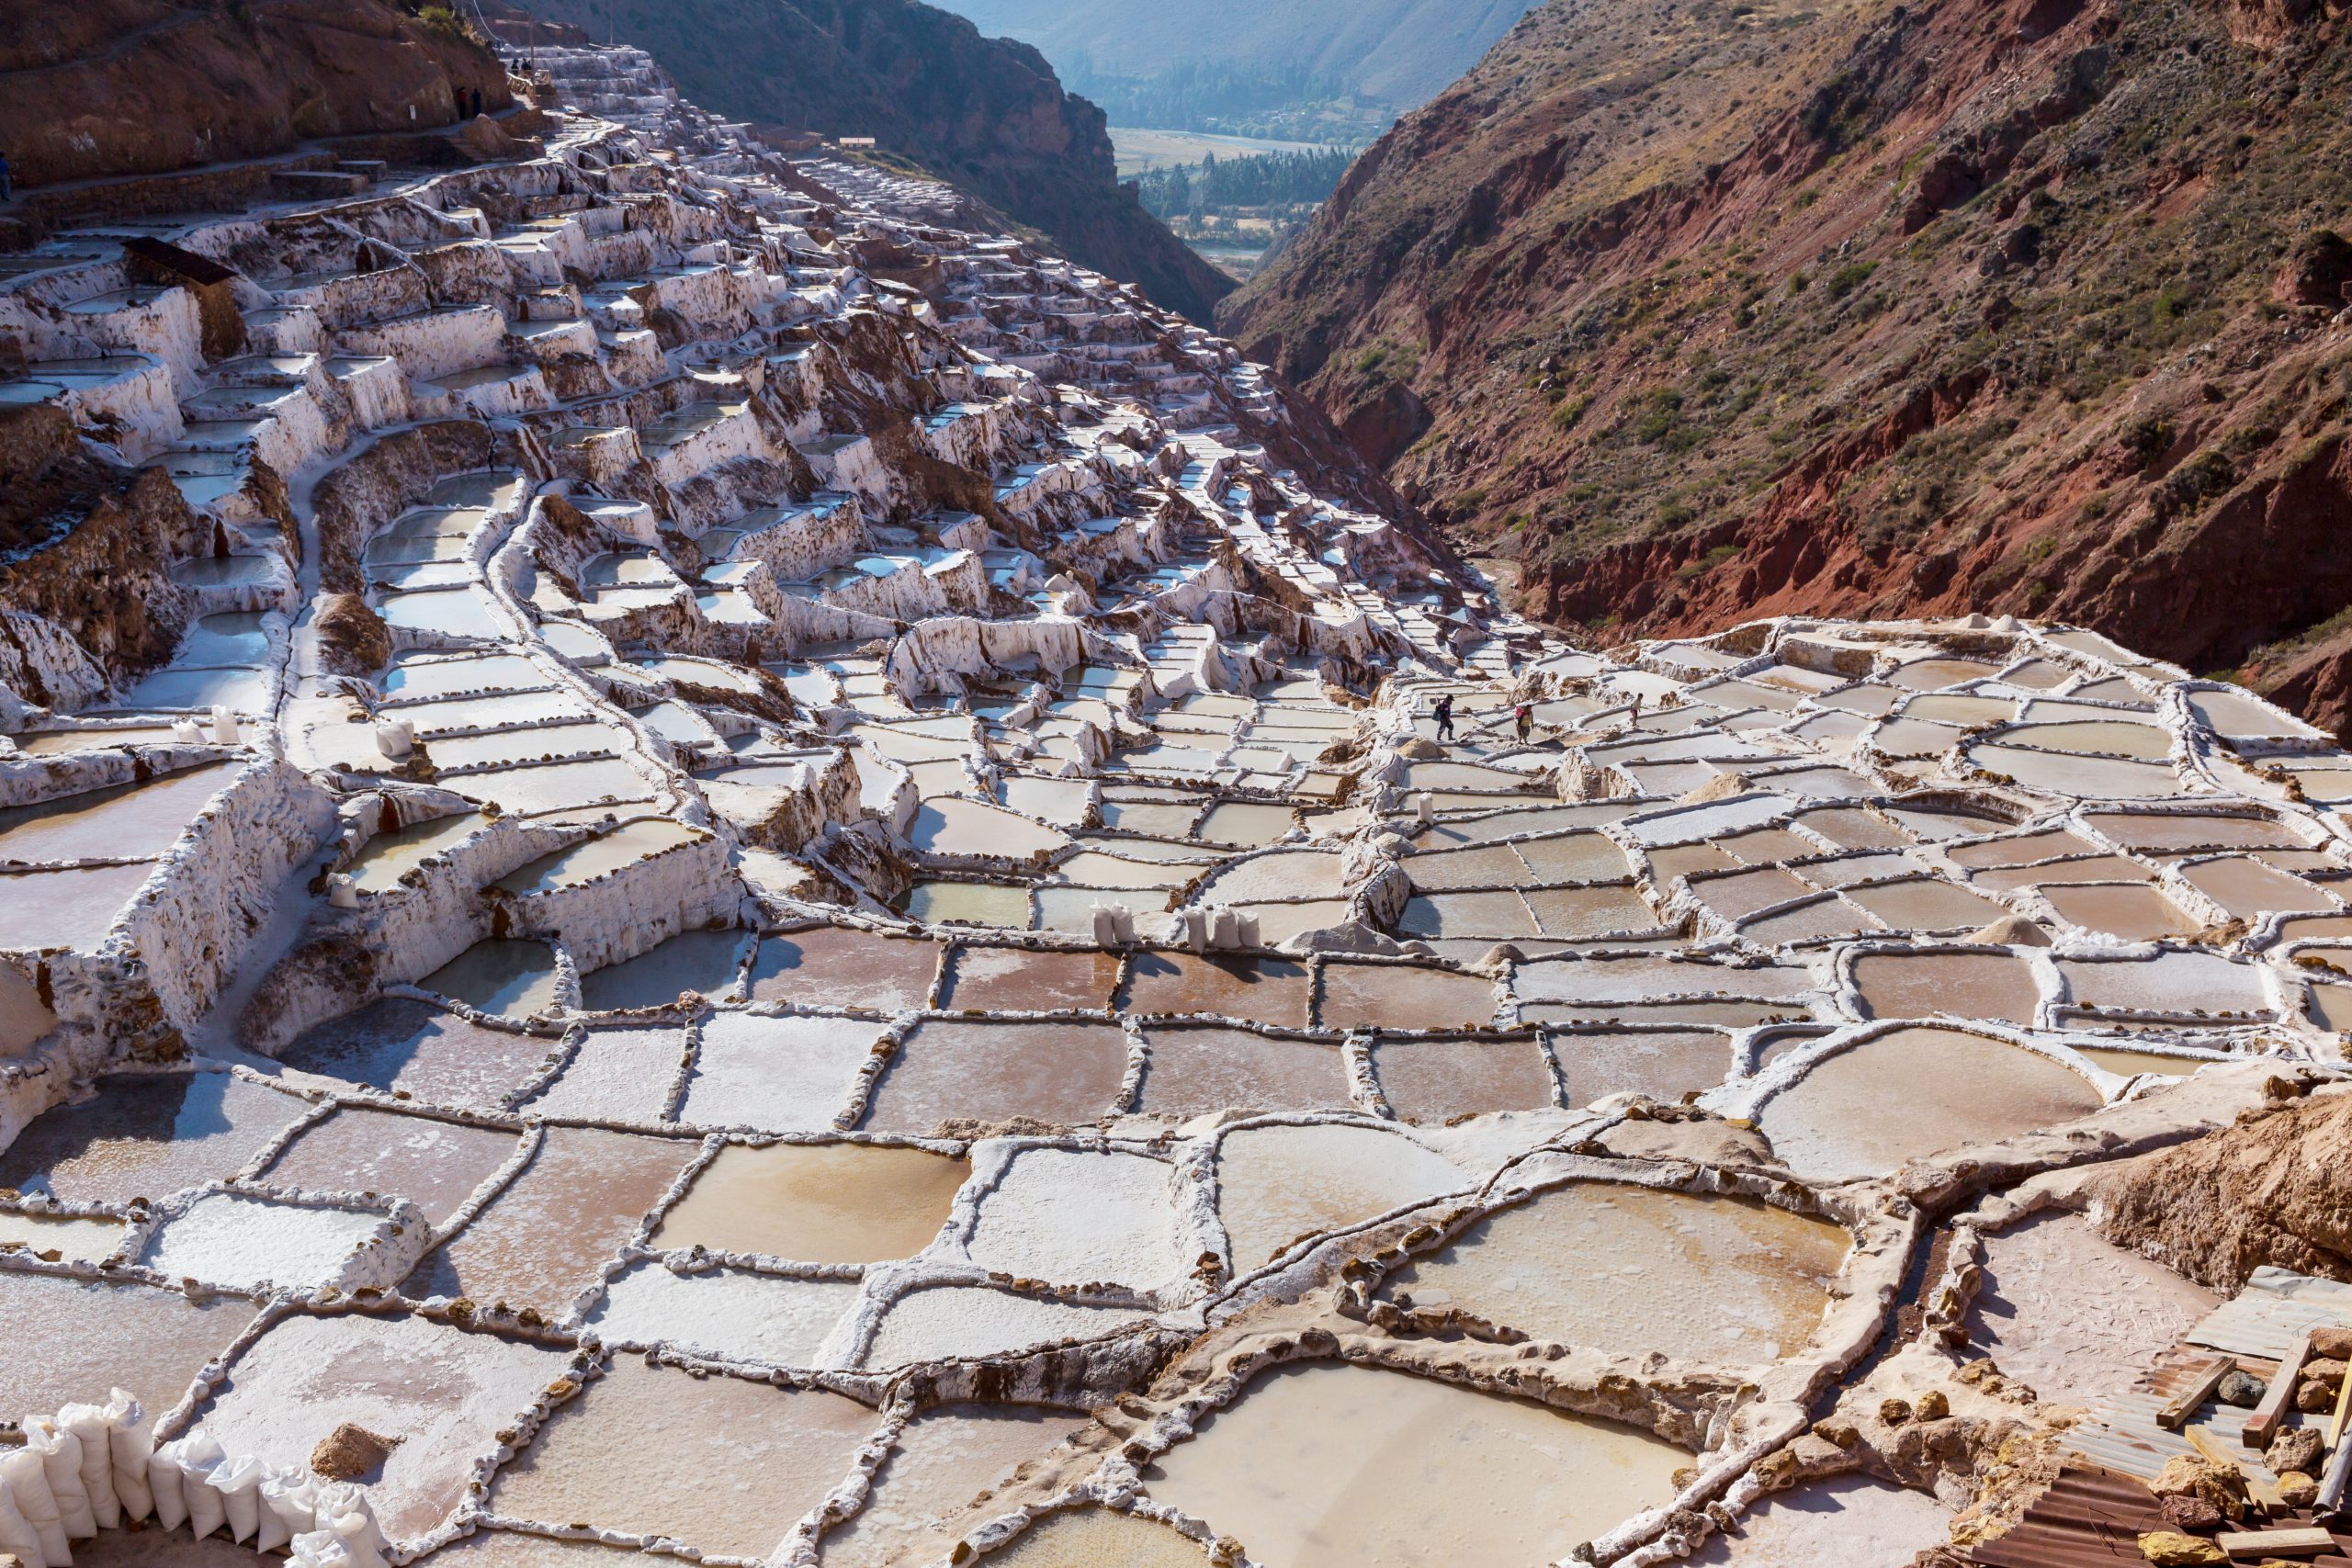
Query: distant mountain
(987,114)
(1398,53)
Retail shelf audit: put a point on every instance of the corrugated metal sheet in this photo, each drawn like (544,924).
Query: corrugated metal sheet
(2121,1434)
(2090,1518)
(2271,1313)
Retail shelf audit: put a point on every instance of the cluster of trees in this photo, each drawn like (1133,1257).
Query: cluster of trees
(1262,181)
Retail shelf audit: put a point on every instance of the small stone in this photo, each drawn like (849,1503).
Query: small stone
(2298,1490)
(350,1452)
(1934,1406)
(2298,1447)
(1895,1412)
(2331,1344)
(2189,1514)
(2313,1396)
(1838,1434)
(2243,1389)
(2169,1549)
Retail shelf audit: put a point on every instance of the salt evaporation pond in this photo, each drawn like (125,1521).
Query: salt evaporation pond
(879,1011)
(1383,1467)
(1627,1269)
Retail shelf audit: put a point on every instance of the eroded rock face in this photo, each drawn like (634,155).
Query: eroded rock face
(2276,1189)
(215,85)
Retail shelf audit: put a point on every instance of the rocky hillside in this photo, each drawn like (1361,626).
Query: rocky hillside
(1702,310)
(986,114)
(108,87)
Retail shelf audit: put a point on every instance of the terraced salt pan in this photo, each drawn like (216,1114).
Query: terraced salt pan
(541,1241)
(1964,985)
(1192,1072)
(78,1240)
(244,1243)
(728,1313)
(1071,1218)
(135,821)
(445,1392)
(939,1460)
(618,1074)
(437,1165)
(1915,1091)
(67,909)
(1015,979)
(1437,1081)
(147,1138)
(833,966)
(417,1049)
(1083,1538)
(387,857)
(69,1336)
(946,1322)
(516,979)
(1388,1468)
(1274,991)
(1627,1269)
(719,1463)
(1276,1183)
(776,1074)
(1070,1074)
(706,963)
(844,1202)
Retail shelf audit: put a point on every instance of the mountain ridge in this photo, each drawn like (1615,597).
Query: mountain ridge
(2001,305)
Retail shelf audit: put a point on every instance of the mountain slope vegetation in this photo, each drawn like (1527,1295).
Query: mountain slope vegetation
(2035,306)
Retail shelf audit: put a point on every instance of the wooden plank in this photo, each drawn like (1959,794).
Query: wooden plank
(2176,1414)
(2343,1407)
(2279,1397)
(2297,1542)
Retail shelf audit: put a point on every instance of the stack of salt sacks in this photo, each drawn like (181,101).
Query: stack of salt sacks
(95,1467)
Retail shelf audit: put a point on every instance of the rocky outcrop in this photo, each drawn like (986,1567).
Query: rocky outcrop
(2274,1189)
(986,114)
(87,597)
(1885,310)
(216,82)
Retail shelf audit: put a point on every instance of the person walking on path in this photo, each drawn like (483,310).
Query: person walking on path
(477,103)
(1443,714)
(1524,717)
(8,182)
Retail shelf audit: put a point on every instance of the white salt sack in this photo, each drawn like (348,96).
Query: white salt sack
(343,1508)
(130,1445)
(61,1462)
(239,1483)
(290,1499)
(28,1481)
(195,1455)
(88,1424)
(17,1533)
